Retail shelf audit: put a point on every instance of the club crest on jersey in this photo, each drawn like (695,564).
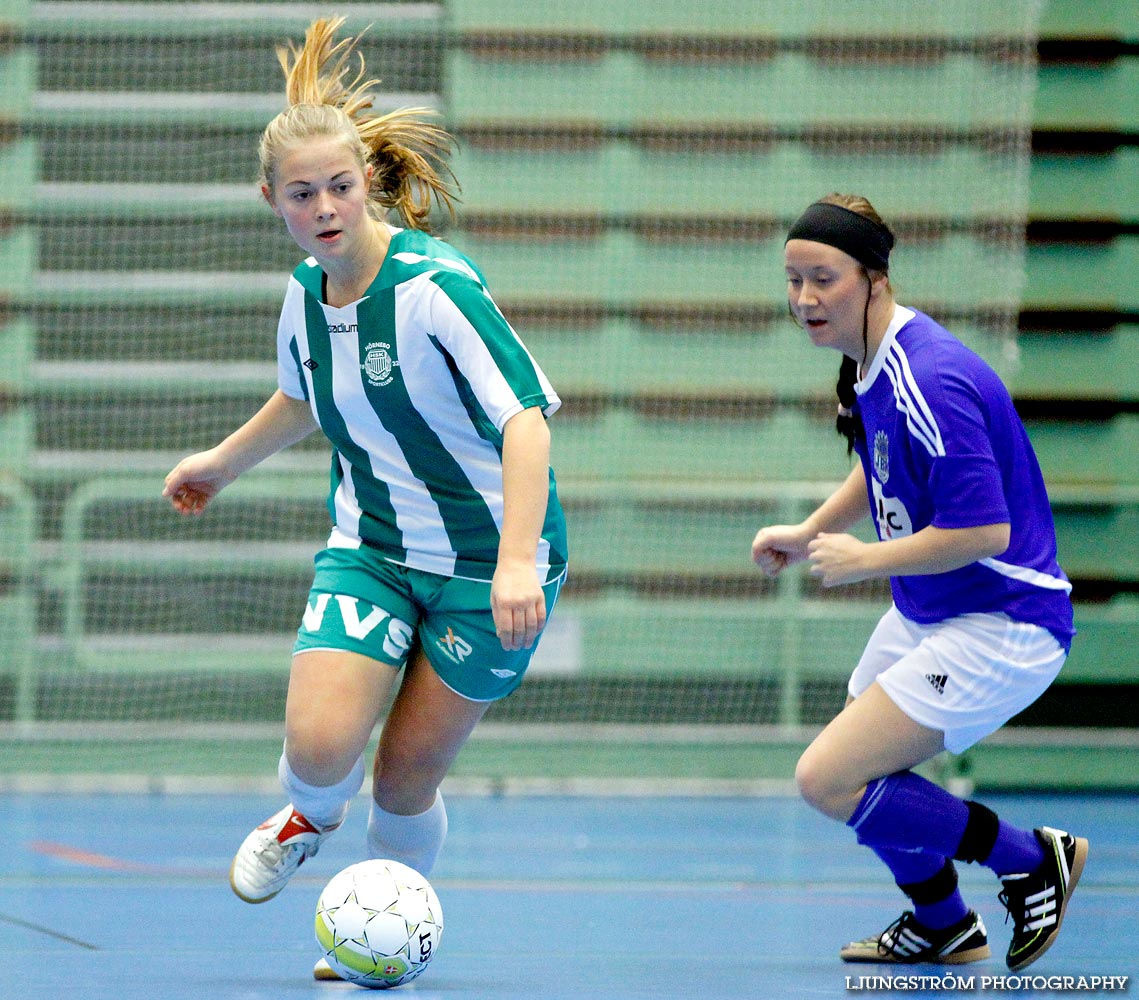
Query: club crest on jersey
(378,364)
(882,456)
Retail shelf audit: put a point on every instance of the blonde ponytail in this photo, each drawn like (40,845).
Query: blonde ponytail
(407,153)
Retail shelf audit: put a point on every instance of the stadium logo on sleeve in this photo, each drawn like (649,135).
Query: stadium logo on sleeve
(882,456)
(378,364)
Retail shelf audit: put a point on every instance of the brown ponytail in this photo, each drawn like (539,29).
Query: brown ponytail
(408,154)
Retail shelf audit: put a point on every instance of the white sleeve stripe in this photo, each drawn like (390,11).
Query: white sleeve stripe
(1027,575)
(930,439)
(901,403)
(918,400)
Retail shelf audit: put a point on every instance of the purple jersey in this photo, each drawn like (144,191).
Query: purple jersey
(944,446)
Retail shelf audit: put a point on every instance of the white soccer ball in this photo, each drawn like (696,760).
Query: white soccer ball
(379,924)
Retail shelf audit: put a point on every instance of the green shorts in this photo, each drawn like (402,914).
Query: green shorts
(363,603)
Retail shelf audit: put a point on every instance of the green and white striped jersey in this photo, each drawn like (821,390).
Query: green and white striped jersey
(413,384)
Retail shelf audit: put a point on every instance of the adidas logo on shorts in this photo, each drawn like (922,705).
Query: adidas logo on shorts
(938,681)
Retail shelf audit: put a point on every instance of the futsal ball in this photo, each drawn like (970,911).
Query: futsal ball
(379,924)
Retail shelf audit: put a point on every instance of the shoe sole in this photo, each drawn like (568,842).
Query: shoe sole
(325,974)
(978,954)
(1074,873)
(241,895)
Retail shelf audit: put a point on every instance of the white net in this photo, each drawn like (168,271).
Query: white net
(627,177)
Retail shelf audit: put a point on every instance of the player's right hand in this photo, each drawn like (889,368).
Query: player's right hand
(194,482)
(776,547)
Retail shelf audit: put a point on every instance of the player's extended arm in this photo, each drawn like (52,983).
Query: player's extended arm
(197,479)
(844,508)
(516,598)
(841,559)
(780,545)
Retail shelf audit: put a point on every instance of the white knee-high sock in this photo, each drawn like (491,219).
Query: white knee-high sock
(322,805)
(412,840)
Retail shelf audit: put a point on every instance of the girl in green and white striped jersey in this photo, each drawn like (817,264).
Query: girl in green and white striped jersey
(448,544)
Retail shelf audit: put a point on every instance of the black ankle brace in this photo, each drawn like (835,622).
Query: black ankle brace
(980,834)
(935,888)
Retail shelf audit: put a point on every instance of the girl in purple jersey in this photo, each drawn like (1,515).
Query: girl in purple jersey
(981,621)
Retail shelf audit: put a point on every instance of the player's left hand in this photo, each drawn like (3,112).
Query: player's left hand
(837,559)
(518,606)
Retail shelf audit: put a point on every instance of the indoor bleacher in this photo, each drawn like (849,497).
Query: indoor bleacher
(628,171)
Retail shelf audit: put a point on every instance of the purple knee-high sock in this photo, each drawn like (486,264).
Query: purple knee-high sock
(907,812)
(1016,851)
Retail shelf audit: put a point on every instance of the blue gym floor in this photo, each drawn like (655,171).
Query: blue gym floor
(119,897)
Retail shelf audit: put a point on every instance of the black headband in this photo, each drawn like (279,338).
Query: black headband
(865,240)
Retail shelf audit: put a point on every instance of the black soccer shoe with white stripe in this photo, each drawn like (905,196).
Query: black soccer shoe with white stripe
(1037,901)
(906,941)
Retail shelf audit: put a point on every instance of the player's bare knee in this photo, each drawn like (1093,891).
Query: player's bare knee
(408,795)
(809,780)
(406,780)
(320,761)
(818,786)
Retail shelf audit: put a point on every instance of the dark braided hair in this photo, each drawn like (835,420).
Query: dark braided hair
(848,423)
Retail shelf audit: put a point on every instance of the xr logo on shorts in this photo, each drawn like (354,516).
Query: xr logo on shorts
(454,646)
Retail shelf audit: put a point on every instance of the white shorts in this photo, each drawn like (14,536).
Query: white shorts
(966,676)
